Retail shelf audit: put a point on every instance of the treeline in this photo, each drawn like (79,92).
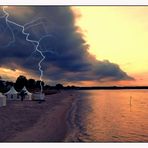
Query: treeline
(35,85)
(31,84)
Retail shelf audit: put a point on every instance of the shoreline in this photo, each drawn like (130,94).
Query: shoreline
(71,135)
(47,122)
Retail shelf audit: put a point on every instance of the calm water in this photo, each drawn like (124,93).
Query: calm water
(109,116)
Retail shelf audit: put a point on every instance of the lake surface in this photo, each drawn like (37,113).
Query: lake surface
(109,116)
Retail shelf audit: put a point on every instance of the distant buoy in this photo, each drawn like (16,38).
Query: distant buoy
(130,100)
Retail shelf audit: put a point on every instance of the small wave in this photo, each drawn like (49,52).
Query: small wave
(76,128)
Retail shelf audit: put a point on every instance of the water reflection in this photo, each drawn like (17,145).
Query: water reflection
(120,115)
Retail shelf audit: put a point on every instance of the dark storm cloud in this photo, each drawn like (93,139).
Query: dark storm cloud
(67,58)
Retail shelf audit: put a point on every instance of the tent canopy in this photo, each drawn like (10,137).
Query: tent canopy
(25,89)
(11,91)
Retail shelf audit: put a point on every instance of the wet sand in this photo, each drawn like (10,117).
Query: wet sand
(30,121)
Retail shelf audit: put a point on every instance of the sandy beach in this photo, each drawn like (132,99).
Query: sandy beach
(30,121)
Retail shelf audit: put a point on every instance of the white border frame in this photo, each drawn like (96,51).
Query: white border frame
(73,2)
(67,3)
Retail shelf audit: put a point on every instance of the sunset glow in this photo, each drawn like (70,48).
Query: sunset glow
(118,34)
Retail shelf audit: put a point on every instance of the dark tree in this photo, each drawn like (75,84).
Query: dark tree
(39,83)
(46,87)
(59,86)
(21,81)
(31,83)
(1,83)
(9,84)
(2,86)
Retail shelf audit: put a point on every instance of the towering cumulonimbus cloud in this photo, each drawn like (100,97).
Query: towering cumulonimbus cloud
(66,51)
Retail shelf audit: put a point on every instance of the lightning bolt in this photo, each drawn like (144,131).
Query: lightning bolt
(34,42)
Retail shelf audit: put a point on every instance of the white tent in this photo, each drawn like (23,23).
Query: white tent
(2,100)
(28,95)
(12,94)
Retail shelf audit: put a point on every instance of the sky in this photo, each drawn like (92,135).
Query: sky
(83,45)
(119,34)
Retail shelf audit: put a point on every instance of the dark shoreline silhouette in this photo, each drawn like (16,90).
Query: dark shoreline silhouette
(106,87)
(34,85)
